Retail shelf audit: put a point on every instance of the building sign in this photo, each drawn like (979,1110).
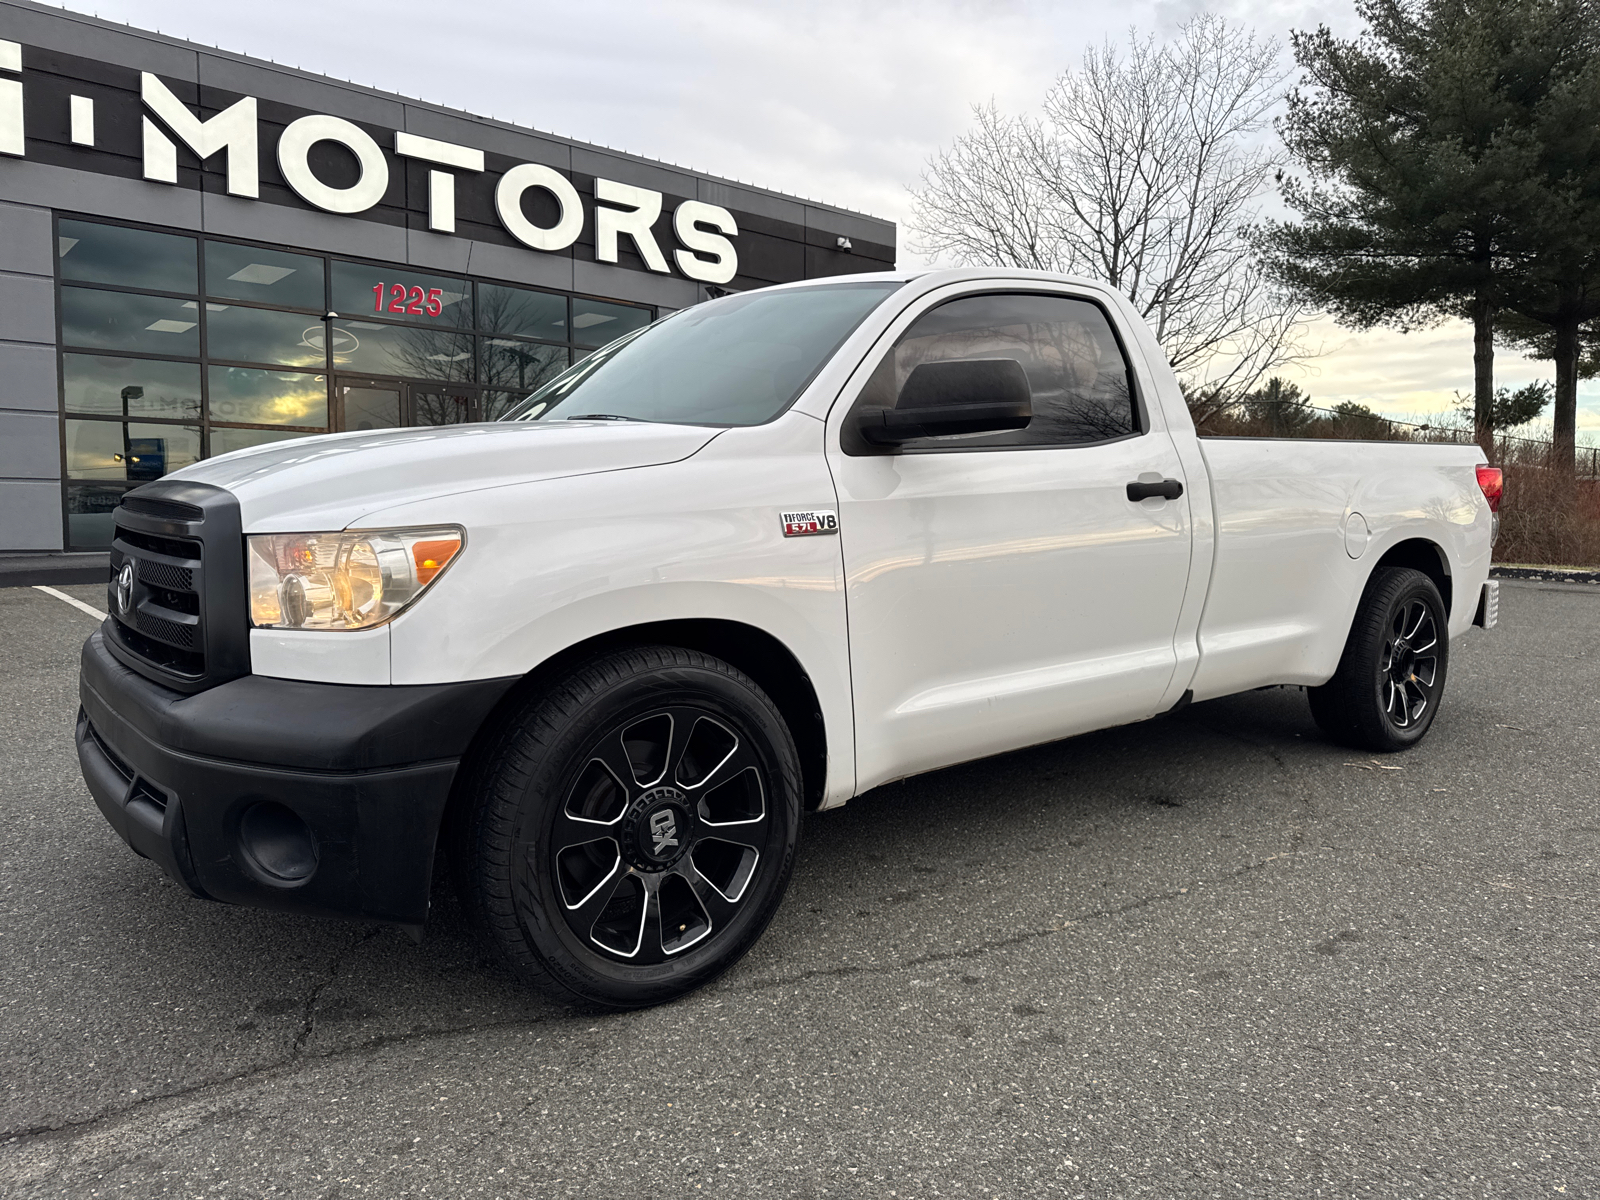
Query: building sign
(703,232)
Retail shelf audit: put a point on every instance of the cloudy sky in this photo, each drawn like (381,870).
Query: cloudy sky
(832,99)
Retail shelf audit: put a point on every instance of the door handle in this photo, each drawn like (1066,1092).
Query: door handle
(1167,489)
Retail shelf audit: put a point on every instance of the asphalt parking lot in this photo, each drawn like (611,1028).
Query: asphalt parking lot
(1210,955)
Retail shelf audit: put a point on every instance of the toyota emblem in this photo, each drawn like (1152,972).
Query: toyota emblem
(124,588)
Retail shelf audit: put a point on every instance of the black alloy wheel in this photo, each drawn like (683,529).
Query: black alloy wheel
(661,834)
(1409,664)
(634,828)
(1390,680)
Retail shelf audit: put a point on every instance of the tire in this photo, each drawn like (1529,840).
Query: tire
(1391,677)
(630,832)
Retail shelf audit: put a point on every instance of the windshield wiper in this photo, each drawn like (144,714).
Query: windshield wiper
(606,417)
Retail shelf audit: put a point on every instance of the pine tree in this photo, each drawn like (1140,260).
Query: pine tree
(1428,196)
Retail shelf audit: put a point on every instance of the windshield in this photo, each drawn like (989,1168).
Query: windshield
(740,360)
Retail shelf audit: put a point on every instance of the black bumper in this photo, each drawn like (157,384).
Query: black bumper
(309,797)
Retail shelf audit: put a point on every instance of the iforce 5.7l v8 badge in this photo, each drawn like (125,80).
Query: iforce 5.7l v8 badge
(809,523)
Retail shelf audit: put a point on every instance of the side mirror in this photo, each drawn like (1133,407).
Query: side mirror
(983,395)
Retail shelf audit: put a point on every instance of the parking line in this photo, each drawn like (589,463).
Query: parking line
(78,604)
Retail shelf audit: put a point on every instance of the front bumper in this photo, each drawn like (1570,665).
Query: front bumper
(308,797)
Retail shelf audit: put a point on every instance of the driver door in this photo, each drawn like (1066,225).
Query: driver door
(1002,589)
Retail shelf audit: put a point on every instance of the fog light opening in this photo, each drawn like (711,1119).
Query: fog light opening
(277,842)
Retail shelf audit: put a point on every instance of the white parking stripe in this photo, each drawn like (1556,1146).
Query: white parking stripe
(78,604)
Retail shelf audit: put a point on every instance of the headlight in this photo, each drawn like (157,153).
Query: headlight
(350,580)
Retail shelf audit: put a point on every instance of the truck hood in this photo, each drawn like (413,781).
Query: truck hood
(331,481)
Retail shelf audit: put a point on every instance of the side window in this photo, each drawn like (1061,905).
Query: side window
(1082,387)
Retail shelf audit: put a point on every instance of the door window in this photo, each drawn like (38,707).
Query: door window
(1082,386)
(369,407)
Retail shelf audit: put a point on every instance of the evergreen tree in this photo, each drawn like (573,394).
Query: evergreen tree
(1560,285)
(1428,196)
(1280,407)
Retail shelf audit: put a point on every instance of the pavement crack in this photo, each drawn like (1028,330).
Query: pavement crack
(308,1020)
(83,1125)
(1016,939)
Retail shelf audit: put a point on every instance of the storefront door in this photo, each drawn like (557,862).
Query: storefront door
(390,404)
(367,404)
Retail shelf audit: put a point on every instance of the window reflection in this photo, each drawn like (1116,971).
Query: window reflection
(522,312)
(122,321)
(400,294)
(442,406)
(494,405)
(225,440)
(136,387)
(135,452)
(368,347)
(162,262)
(89,507)
(508,363)
(265,276)
(369,408)
(261,335)
(251,397)
(595,323)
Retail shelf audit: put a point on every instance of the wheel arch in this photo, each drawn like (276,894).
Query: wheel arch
(1420,554)
(766,659)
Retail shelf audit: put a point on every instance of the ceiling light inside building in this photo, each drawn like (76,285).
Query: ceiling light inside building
(262,274)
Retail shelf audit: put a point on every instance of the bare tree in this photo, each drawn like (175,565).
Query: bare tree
(1145,170)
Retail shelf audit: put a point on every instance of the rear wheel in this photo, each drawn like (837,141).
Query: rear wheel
(633,829)
(1390,680)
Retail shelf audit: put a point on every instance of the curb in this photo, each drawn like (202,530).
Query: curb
(29,570)
(1545,575)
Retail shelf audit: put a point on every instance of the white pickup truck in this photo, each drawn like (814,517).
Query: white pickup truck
(758,558)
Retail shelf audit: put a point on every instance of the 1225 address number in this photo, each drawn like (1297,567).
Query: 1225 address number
(403,300)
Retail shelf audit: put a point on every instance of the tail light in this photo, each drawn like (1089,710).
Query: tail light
(1492,483)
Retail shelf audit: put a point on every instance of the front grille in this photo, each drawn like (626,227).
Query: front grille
(176,592)
(171,660)
(174,633)
(166,576)
(171,547)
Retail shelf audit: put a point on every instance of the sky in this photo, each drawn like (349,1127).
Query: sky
(835,100)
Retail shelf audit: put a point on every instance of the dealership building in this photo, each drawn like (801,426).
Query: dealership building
(201,252)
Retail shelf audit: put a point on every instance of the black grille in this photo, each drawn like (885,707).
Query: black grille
(170,510)
(174,633)
(171,660)
(171,547)
(165,575)
(176,593)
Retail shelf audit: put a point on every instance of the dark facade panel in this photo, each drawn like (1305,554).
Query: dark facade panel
(754,203)
(516,144)
(631,171)
(53,29)
(229,74)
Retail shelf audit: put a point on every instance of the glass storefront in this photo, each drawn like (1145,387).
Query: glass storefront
(158,371)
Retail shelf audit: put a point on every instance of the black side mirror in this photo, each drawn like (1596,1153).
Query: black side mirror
(982,395)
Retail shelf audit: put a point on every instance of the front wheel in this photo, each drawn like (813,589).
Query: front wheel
(632,830)
(1390,680)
